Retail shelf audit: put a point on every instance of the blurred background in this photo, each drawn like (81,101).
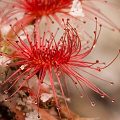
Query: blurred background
(105,50)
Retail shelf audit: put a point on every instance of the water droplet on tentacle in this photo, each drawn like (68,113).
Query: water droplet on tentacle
(58,108)
(113,100)
(6,91)
(35,102)
(6,99)
(92,103)
(22,67)
(103,95)
(111,83)
(81,95)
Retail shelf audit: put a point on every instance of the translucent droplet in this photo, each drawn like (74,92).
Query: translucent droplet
(58,108)
(28,76)
(7,64)
(111,83)
(22,67)
(6,91)
(81,95)
(35,102)
(112,100)
(6,99)
(102,95)
(92,103)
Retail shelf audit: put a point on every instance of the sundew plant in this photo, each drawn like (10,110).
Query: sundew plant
(41,54)
(44,55)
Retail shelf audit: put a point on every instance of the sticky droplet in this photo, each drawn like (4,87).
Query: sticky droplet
(35,102)
(81,95)
(6,99)
(102,95)
(7,64)
(6,91)
(112,100)
(58,108)
(22,67)
(92,103)
(111,83)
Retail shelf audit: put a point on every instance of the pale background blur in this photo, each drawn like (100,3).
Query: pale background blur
(106,49)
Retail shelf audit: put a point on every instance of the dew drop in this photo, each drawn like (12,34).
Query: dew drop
(58,108)
(92,103)
(28,75)
(111,83)
(6,91)
(102,95)
(22,67)
(81,96)
(113,100)
(35,102)
(6,99)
